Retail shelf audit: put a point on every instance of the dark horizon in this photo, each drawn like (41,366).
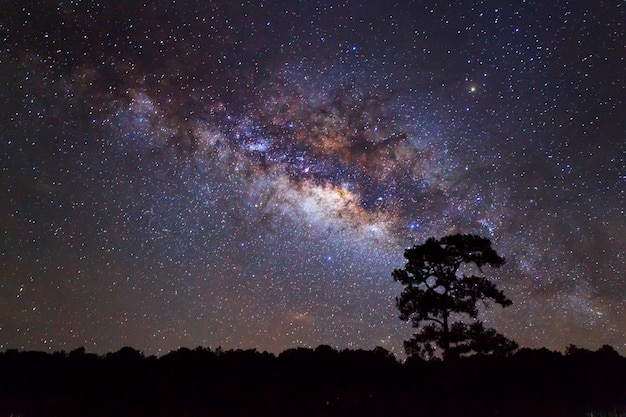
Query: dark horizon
(130,351)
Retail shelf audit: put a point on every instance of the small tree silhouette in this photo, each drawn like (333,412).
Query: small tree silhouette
(440,300)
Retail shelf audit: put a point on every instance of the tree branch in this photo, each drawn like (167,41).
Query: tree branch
(433,319)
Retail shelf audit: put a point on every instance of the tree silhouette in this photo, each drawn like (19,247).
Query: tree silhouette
(441,295)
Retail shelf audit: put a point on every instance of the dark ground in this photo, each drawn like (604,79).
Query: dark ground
(307,382)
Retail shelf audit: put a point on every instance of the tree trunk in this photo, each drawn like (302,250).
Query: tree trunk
(446,335)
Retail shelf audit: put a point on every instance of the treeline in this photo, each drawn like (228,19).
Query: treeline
(310,382)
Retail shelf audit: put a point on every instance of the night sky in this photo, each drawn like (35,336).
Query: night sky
(248,174)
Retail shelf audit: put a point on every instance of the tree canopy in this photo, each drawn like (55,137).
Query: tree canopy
(443,283)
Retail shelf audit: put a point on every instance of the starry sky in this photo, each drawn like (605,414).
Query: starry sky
(248,174)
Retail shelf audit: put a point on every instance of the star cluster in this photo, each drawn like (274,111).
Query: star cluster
(182,173)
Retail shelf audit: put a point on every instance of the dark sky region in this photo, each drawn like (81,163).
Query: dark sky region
(248,174)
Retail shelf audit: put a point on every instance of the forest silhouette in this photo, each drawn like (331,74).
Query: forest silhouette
(311,382)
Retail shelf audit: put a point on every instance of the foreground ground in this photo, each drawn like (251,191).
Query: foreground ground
(307,382)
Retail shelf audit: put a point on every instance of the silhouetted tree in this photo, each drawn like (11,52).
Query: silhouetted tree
(441,295)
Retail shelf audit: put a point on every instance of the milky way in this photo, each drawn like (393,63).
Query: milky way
(205,173)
